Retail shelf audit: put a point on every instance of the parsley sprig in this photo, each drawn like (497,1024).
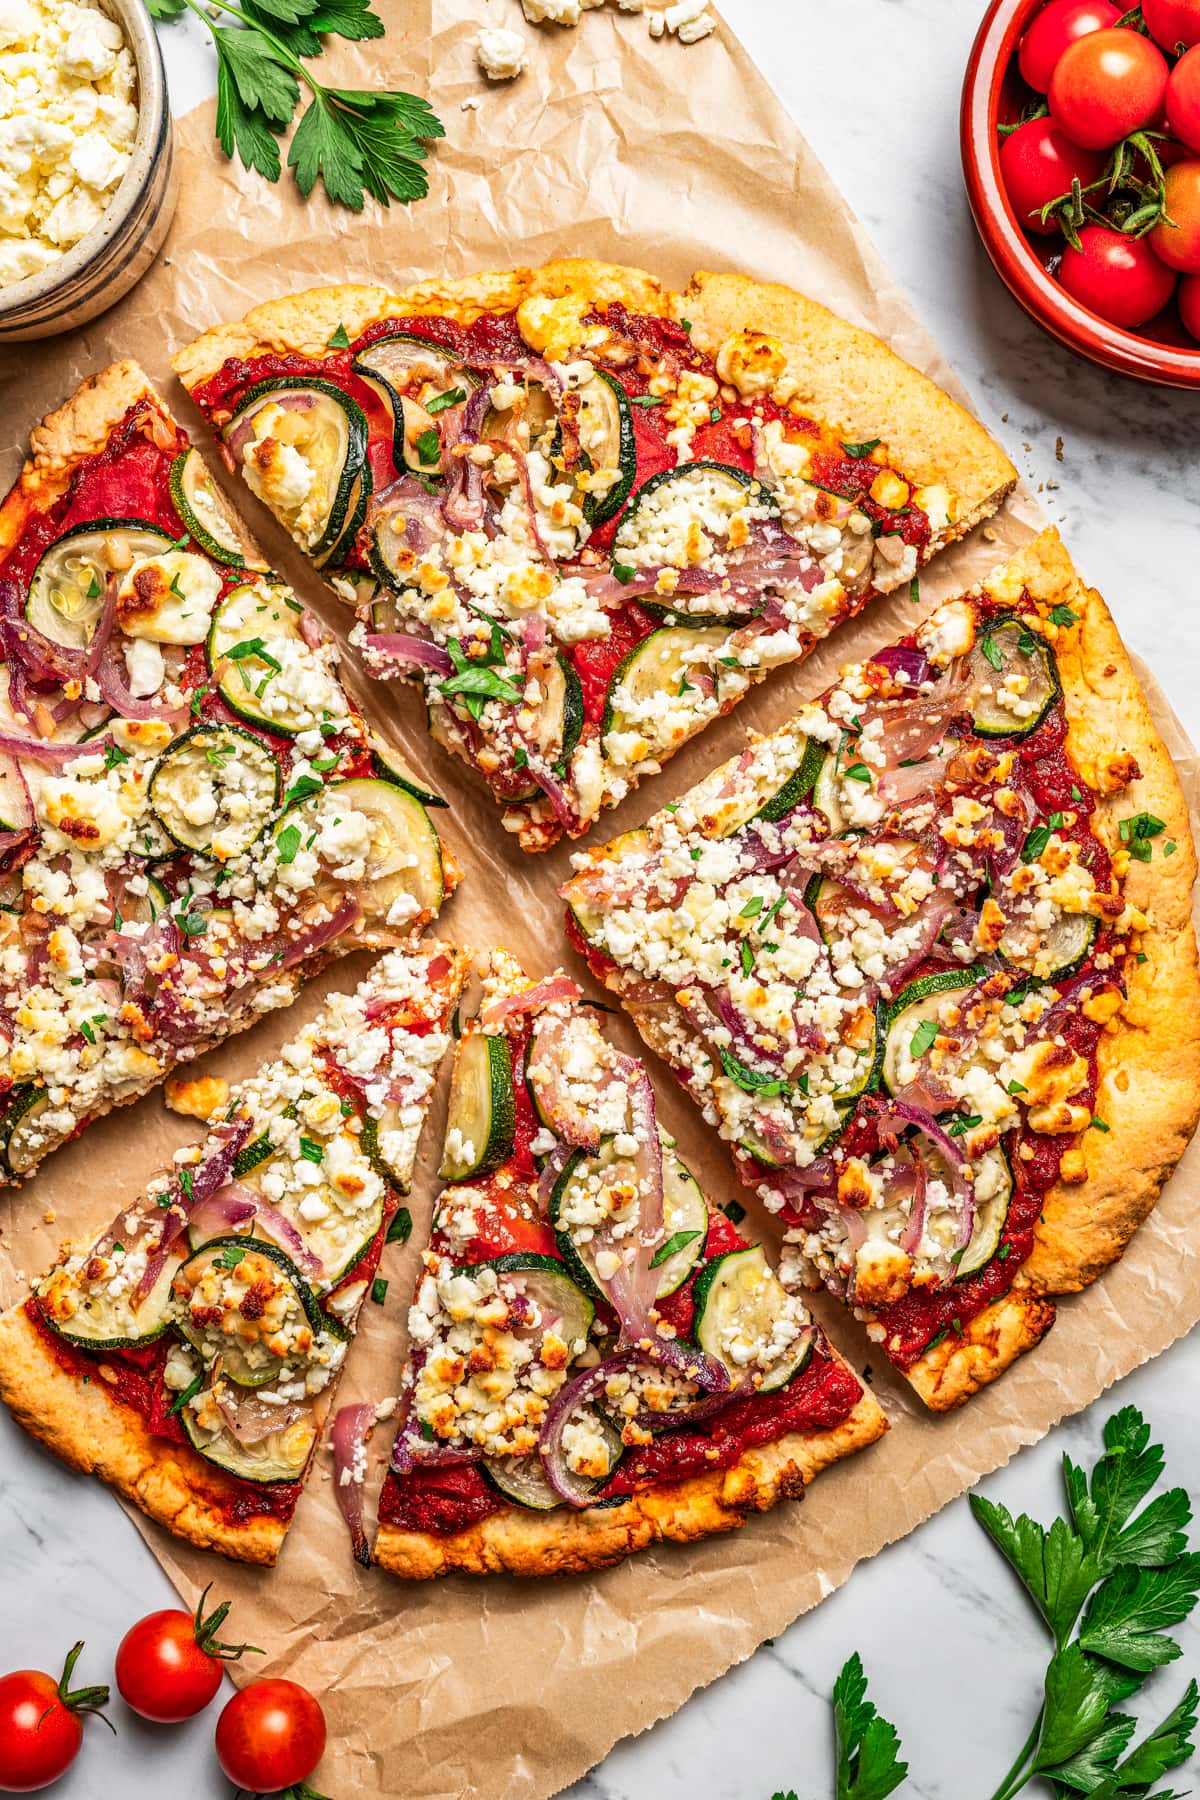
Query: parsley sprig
(356,142)
(1108,1580)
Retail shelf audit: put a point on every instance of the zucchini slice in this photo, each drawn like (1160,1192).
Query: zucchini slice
(522,1479)
(684,1212)
(1011,659)
(405,857)
(281,1457)
(21,1130)
(481,1120)
(66,590)
(560,713)
(407,371)
(994,1178)
(339,1240)
(389,765)
(328,431)
(89,1314)
(202,507)
(798,786)
(738,1298)
(642,692)
(658,518)
(265,1279)
(356,511)
(1053,954)
(245,641)
(607,435)
(214,790)
(826,798)
(563,1305)
(918,1004)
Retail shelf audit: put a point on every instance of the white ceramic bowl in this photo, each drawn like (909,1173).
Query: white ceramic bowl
(117,251)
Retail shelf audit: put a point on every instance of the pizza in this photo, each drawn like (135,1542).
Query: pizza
(585,513)
(188,1353)
(193,814)
(925,959)
(599,1358)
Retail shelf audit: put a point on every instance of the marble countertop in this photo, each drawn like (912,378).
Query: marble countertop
(954,1655)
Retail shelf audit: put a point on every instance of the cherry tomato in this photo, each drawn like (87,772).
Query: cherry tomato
(1189,304)
(1056,26)
(1183,99)
(1179,242)
(1106,85)
(1116,276)
(1038,165)
(1172,22)
(41,1726)
(270,1736)
(169,1663)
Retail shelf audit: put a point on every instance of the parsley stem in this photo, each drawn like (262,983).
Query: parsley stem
(281,50)
(1015,1780)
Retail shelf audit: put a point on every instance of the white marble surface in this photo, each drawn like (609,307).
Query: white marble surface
(953,1654)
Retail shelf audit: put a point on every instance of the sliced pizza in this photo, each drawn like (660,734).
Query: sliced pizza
(584,512)
(193,815)
(925,959)
(188,1353)
(599,1359)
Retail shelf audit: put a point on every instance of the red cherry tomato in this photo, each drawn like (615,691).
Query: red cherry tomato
(41,1726)
(1189,304)
(1179,242)
(1172,22)
(1183,99)
(1038,164)
(1106,85)
(1056,26)
(270,1736)
(169,1663)
(1116,276)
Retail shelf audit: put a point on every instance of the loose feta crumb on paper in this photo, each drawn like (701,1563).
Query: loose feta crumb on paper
(687,20)
(501,53)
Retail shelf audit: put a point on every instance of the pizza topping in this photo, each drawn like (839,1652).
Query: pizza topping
(244,1259)
(538,499)
(879,895)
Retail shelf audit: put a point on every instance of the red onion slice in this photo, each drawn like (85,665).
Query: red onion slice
(533,999)
(113,682)
(248,1417)
(404,652)
(56,756)
(574,1489)
(203,1180)
(235,1205)
(352,1426)
(893,1117)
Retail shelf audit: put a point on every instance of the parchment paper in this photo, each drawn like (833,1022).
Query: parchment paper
(614,146)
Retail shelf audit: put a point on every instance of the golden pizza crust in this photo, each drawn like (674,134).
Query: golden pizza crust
(1148,1057)
(520,1542)
(97,1435)
(949,1373)
(79,427)
(851,379)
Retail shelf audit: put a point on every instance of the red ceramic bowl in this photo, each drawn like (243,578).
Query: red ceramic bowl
(993,94)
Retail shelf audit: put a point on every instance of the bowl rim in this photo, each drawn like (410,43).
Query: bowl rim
(153,112)
(1043,298)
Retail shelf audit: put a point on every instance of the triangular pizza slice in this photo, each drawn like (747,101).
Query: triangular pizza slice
(188,1353)
(586,513)
(599,1358)
(925,958)
(193,814)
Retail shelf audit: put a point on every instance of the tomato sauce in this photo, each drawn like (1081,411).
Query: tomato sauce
(595,659)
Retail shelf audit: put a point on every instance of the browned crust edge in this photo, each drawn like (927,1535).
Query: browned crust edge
(519,1542)
(847,375)
(96,1435)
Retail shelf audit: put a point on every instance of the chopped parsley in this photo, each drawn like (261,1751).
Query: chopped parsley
(751,1081)
(379,1288)
(311,1151)
(1062,615)
(646,400)
(858,451)
(672,1247)
(287,844)
(339,340)
(400,1229)
(923,1038)
(440,402)
(429,447)
(1136,833)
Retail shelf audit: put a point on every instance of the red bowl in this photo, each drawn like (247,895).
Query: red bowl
(1161,352)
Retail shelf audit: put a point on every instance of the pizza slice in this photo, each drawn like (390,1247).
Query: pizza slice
(599,1359)
(925,959)
(193,815)
(188,1354)
(585,513)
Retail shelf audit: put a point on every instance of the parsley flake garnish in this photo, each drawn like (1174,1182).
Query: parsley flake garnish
(672,1247)
(858,451)
(646,400)
(1062,615)
(340,339)
(379,1288)
(287,844)
(429,447)
(400,1229)
(311,1151)
(439,402)
(923,1038)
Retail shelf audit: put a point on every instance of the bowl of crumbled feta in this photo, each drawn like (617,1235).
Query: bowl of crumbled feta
(87,185)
